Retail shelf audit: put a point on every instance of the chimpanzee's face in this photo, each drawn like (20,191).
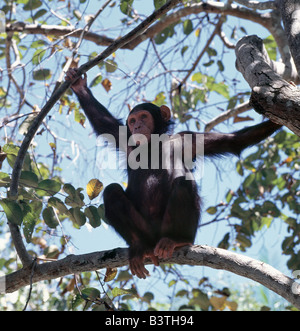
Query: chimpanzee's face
(141,122)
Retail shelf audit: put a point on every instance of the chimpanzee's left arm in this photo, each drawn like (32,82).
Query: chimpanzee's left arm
(233,143)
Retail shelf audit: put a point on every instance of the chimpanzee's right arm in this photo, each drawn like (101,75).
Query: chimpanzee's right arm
(102,121)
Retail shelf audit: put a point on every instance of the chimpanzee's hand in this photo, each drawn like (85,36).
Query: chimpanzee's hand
(78,85)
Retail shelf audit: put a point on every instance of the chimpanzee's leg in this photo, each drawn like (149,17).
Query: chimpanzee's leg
(128,222)
(181,218)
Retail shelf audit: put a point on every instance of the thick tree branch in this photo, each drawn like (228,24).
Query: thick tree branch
(213,7)
(58,31)
(272,96)
(196,255)
(290,11)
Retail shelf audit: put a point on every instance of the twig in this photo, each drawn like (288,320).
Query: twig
(228,114)
(76,48)
(31,278)
(215,32)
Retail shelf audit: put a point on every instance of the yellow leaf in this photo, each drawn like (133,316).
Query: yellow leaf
(94,188)
(125,184)
(110,274)
(53,147)
(231,305)
(106,84)
(218,303)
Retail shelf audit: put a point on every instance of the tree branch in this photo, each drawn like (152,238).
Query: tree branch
(271,96)
(290,11)
(213,7)
(215,258)
(227,114)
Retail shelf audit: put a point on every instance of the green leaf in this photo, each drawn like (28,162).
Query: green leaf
(42,74)
(126,7)
(24,126)
(220,88)
(159,3)
(211,52)
(229,196)
(220,65)
(13,211)
(90,294)
(211,210)
(48,187)
(59,205)
(69,189)
(184,49)
(188,27)
(92,214)
(161,37)
(40,13)
(11,149)
(75,198)
(79,117)
(148,297)
(4,179)
(209,63)
(32,4)
(271,47)
(101,212)
(78,216)
(29,222)
(50,217)
(96,81)
(111,66)
(200,299)
(243,241)
(248,181)
(38,56)
(124,275)
(120,291)
(182,293)
(29,179)
(51,252)
(224,243)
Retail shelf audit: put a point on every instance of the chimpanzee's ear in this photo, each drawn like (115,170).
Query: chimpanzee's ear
(165,113)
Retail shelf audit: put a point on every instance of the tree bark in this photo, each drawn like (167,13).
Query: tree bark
(271,96)
(290,12)
(215,258)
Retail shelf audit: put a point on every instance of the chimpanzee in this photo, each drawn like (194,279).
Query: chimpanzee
(160,209)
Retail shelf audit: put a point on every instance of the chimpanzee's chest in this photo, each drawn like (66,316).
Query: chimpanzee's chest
(149,191)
